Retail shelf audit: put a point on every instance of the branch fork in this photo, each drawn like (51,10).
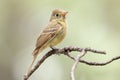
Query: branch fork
(66,51)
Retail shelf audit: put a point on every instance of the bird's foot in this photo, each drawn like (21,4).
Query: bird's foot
(53,48)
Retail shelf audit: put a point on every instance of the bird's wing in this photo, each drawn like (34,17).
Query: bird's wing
(48,34)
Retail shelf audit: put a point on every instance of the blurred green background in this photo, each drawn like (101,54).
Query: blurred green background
(91,23)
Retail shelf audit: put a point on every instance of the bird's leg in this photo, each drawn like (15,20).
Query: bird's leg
(53,48)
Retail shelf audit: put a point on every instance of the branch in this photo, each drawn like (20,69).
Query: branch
(95,63)
(51,52)
(75,64)
(66,52)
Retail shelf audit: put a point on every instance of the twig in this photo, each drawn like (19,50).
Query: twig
(95,63)
(75,64)
(100,64)
(66,52)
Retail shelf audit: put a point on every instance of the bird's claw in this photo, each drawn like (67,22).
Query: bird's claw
(53,48)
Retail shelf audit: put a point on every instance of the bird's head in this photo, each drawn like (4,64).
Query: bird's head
(58,14)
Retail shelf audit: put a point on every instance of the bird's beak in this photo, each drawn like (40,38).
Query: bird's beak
(64,13)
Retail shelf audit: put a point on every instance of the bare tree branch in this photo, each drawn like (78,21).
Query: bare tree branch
(95,63)
(66,52)
(75,64)
(39,63)
(100,64)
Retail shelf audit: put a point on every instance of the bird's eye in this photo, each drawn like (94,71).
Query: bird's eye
(56,15)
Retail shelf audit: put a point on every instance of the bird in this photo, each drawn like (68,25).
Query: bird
(52,34)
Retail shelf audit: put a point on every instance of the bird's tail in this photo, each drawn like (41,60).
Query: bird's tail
(35,53)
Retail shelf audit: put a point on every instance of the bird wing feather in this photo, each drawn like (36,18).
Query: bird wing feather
(48,34)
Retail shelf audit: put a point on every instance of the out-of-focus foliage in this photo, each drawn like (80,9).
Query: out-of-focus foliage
(91,23)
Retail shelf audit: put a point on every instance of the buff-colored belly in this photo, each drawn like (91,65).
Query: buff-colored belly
(58,38)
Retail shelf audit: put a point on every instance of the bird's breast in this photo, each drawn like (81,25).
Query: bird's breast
(59,37)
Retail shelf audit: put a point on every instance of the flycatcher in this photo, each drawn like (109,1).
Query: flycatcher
(53,34)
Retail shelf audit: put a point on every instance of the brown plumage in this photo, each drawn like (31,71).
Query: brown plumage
(53,34)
